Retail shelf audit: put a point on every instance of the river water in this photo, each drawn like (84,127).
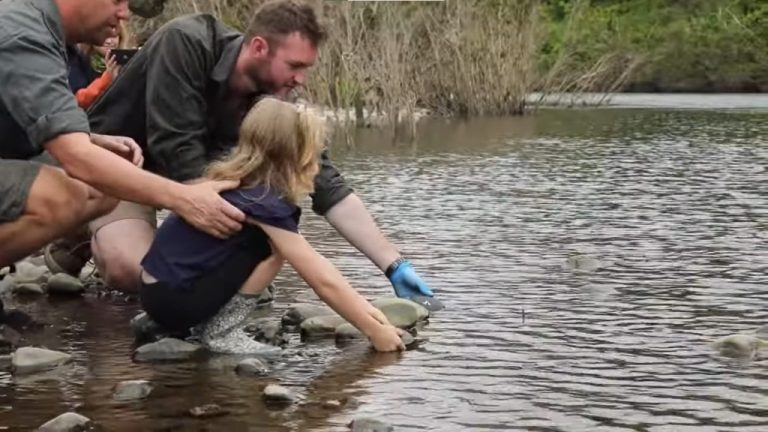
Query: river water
(587,258)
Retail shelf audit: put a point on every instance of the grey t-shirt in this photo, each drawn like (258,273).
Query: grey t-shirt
(36,104)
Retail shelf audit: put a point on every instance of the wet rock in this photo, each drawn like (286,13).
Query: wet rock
(19,320)
(132,390)
(584,263)
(409,341)
(27,289)
(401,313)
(67,422)
(64,284)
(207,411)
(9,339)
(29,273)
(146,330)
(431,304)
(277,394)
(347,332)
(739,346)
(268,331)
(365,424)
(164,350)
(252,366)
(147,8)
(320,326)
(27,360)
(299,313)
(5,362)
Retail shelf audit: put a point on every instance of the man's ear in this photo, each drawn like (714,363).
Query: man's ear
(258,47)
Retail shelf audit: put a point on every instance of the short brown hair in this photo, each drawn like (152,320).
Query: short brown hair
(277,19)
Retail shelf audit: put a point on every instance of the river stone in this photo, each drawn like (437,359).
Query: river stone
(321,325)
(67,422)
(401,313)
(132,390)
(29,273)
(268,331)
(739,346)
(147,8)
(409,341)
(365,424)
(62,283)
(583,263)
(27,360)
(252,366)
(207,411)
(267,296)
(346,332)
(9,339)
(5,362)
(275,393)
(299,313)
(165,349)
(27,288)
(144,329)
(19,320)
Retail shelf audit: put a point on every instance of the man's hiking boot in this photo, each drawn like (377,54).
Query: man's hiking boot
(69,254)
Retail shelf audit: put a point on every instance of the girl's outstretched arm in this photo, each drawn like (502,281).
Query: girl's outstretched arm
(333,289)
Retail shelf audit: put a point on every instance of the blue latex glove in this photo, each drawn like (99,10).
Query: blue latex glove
(407,282)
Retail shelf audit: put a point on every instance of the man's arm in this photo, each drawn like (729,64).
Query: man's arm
(344,210)
(43,105)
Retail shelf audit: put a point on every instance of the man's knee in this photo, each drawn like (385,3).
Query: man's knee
(56,199)
(118,249)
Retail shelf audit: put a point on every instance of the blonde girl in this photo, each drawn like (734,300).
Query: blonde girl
(193,279)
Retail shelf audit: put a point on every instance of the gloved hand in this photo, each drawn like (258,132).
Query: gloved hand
(407,282)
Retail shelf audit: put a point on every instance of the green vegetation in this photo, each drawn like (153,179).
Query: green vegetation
(473,57)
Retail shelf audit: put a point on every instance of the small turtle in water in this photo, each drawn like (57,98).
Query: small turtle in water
(740,346)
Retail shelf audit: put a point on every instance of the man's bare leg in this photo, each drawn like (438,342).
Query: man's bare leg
(57,205)
(118,249)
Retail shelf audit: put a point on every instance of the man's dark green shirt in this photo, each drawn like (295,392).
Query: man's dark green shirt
(173,99)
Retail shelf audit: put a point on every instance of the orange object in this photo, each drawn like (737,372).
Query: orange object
(86,96)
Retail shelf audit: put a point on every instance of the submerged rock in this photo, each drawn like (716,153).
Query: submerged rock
(347,332)
(207,411)
(277,394)
(268,331)
(9,339)
(27,289)
(584,263)
(321,326)
(146,330)
(27,360)
(164,350)
(366,424)
(299,313)
(67,422)
(132,390)
(62,283)
(401,313)
(739,346)
(252,366)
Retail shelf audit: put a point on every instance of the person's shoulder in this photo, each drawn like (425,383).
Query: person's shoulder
(199,26)
(20,19)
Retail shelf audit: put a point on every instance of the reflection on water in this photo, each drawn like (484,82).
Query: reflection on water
(672,204)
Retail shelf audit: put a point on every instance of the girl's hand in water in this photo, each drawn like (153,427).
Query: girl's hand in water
(387,338)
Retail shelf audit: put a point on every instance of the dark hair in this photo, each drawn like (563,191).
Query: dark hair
(277,19)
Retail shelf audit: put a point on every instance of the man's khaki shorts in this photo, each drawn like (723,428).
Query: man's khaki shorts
(126,210)
(16,178)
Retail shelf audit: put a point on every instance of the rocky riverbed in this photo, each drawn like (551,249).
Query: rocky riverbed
(30,283)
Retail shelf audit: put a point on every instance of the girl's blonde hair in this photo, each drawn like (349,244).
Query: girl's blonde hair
(279,147)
